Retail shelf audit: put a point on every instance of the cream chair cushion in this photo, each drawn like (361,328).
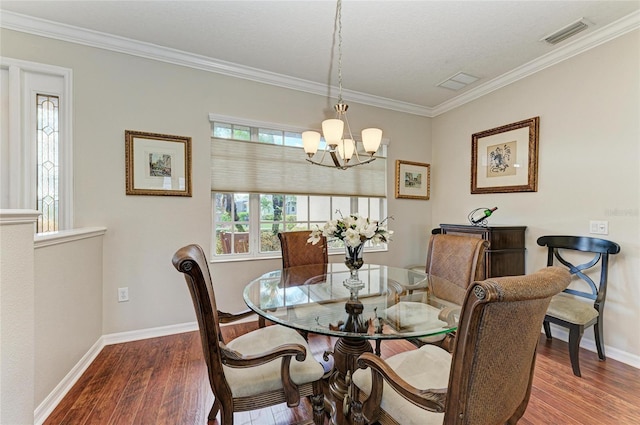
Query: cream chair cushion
(570,309)
(418,315)
(424,368)
(264,378)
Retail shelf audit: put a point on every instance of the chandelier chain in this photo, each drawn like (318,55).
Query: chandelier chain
(339,51)
(341,149)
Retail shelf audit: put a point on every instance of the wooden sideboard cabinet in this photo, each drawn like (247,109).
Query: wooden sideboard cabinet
(505,256)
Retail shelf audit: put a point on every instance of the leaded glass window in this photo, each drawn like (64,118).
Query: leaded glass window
(47,162)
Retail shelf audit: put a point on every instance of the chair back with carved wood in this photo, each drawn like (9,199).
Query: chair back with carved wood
(191,261)
(491,369)
(494,355)
(262,368)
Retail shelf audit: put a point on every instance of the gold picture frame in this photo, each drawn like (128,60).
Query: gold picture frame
(413,180)
(505,159)
(157,164)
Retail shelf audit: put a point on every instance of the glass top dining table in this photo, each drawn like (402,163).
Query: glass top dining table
(388,303)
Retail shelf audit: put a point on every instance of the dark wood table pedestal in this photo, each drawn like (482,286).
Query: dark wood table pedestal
(345,356)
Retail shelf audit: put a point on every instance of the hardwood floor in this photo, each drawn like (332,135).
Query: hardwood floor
(164,381)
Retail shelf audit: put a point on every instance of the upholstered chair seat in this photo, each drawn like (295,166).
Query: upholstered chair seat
(417,315)
(569,308)
(426,367)
(247,382)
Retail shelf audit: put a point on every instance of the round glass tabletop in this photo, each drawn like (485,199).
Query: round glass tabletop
(387,302)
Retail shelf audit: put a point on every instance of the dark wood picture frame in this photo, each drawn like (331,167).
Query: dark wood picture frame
(505,159)
(157,164)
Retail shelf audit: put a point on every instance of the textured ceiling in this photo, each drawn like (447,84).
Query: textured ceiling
(397,50)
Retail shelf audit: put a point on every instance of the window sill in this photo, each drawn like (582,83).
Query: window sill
(234,259)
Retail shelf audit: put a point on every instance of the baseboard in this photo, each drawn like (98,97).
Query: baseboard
(50,402)
(120,337)
(589,344)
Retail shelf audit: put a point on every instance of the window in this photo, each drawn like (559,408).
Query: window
(261,185)
(237,214)
(47,162)
(36,155)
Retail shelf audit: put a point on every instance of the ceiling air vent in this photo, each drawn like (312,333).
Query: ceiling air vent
(458,81)
(566,32)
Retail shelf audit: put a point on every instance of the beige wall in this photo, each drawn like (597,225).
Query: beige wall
(589,156)
(17,376)
(114,92)
(68,307)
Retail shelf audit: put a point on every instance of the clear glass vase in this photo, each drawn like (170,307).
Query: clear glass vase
(353,260)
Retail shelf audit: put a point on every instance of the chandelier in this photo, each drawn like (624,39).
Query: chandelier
(342,150)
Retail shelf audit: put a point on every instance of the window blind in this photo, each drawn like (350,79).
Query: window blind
(252,167)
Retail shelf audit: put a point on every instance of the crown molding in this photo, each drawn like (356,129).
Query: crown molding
(54,30)
(85,37)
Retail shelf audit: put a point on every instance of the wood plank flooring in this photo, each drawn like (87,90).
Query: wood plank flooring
(164,381)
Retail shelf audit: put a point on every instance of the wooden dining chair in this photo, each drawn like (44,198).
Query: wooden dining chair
(569,309)
(262,368)
(297,252)
(453,263)
(458,259)
(488,378)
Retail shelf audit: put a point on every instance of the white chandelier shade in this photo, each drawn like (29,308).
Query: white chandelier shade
(340,145)
(333,129)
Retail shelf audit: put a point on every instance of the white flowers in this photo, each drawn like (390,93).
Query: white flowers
(353,230)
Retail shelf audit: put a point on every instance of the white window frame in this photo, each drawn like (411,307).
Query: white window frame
(25,80)
(254,230)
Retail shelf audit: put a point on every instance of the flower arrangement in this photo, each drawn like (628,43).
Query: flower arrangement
(353,230)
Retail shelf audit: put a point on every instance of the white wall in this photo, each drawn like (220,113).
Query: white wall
(114,92)
(589,156)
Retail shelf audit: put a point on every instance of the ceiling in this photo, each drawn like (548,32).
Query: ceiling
(394,52)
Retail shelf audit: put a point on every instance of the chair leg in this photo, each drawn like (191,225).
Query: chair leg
(547,329)
(317,403)
(575,335)
(214,410)
(599,334)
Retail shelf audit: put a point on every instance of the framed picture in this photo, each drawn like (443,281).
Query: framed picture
(505,159)
(157,164)
(412,180)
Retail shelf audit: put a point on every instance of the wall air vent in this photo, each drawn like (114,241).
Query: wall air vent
(566,32)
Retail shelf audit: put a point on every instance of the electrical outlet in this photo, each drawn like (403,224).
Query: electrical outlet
(599,227)
(123,294)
